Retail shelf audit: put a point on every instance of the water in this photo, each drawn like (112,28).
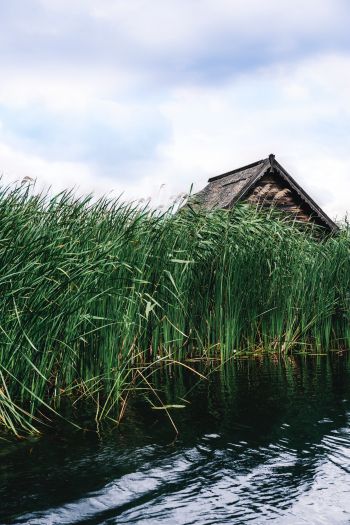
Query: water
(263,441)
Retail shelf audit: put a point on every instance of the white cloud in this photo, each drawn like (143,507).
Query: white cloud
(298,112)
(56,176)
(63,88)
(166,25)
(15,166)
(133,95)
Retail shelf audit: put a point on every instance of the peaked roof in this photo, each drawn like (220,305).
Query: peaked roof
(223,191)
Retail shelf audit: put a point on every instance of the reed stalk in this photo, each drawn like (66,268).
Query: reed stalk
(92,292)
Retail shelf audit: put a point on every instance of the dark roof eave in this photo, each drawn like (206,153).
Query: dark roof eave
(306,198)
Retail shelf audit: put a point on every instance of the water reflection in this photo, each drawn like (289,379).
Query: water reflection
(262,440)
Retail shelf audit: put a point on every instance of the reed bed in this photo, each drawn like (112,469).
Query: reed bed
(94,292)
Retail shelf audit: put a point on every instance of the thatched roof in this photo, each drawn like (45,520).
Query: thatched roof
(223,191)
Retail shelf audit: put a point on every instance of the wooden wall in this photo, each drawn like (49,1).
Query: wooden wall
(272,190)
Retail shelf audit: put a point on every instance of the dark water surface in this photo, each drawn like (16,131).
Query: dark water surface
(262,441)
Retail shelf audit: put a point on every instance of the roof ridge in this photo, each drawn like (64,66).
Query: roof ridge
(237,170)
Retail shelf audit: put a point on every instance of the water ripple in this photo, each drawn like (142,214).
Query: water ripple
(279,454)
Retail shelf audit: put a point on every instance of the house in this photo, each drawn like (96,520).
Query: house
(263,183)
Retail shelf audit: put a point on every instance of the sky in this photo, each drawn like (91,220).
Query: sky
(146,97)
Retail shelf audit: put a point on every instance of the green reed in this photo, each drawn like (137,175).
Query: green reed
(93,292)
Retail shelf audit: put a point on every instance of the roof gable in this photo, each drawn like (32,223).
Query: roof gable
(223,191)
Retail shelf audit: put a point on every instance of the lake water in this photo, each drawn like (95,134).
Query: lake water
(262,441)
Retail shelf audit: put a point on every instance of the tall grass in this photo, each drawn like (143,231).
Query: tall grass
(92,292)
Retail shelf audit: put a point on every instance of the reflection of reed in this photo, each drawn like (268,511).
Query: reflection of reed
(262,439)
